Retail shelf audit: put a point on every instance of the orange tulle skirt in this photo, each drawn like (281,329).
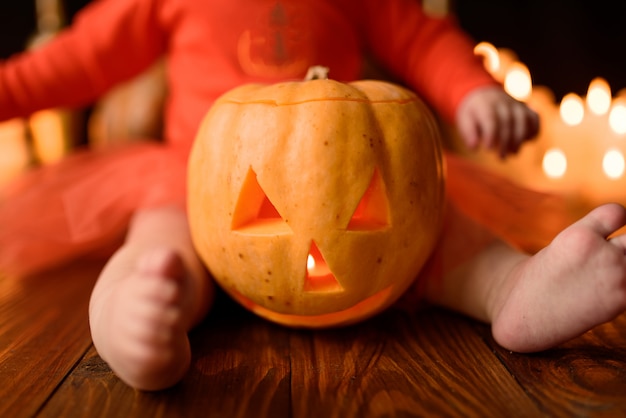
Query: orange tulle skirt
(84,204)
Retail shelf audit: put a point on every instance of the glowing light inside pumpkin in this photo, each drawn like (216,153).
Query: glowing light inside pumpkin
(572,109)
(554,163)
(490,55)
(319,278)
(517,81)
(617,117)
(310,263)
(613,164)
(599,96)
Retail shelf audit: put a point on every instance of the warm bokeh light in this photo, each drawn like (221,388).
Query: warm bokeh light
(517,81)
(49,135)
(572,109)
(14,154)
(617,117)
(599,96)
(490,56)
(554,163)
(613,164)
(580,149)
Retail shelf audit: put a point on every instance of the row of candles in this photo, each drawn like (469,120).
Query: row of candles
(582,140)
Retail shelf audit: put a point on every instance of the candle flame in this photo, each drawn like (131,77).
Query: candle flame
(554,163)
(599,96)
(572,109)
(617,117)
(491,57)
(613,164)
(310,262)
(517,81)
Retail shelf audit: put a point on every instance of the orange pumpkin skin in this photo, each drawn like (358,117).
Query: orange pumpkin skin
(350,173)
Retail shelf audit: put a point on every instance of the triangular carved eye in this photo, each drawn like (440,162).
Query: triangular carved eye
(254,213)
(319,278)
(372,213)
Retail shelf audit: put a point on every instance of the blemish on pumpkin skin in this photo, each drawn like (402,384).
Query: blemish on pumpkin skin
(379,260)
(240,256)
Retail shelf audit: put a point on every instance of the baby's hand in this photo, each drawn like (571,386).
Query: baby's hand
(490,118)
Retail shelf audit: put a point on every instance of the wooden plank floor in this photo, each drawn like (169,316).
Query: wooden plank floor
(434,363)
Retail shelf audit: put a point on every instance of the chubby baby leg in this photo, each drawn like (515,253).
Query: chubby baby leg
(569,287)
(535,302)
(147,298)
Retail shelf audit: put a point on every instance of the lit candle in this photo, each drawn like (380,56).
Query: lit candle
(310,263)
(613,164)
(491,57)
(496,61)
(319,278)
(572,109)
(617,116)
(517,81)
(554,163)
(599,96)
(580,148)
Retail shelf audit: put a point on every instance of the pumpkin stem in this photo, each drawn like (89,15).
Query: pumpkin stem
(316,72)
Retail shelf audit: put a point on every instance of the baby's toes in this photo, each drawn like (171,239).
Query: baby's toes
(163,262)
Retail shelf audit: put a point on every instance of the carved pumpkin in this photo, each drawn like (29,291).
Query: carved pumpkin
(316,203)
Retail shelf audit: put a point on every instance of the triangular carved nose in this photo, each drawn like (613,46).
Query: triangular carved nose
(319,278)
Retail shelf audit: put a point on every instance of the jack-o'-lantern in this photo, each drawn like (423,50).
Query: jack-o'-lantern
(316,203)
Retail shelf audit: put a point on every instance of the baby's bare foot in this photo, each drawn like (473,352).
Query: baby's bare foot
(574,284)
(147,345)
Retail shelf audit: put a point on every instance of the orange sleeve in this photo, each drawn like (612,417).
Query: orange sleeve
(433,55)
(110,41)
